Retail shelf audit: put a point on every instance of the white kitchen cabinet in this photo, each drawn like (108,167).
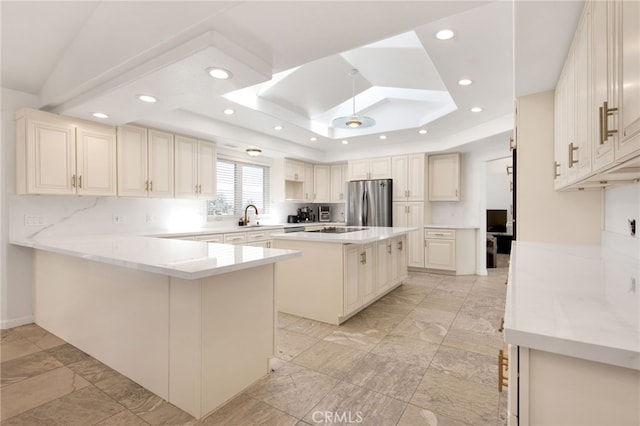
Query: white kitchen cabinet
(293,170)
(145,162)
(390,264)
(195,168)
(452,250)
(338,183)
(629,116)
(57,155)
(444,177)
(411,215)
(359,280)
(370,168)
(582,142)
(407,172)
(322,183)
(308,188)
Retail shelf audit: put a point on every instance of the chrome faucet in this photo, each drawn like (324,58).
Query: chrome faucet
(246,219)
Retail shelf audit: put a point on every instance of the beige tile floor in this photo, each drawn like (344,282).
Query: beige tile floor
(426,354)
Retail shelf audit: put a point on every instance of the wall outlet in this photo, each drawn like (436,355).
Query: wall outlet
(118,218)
(30,220)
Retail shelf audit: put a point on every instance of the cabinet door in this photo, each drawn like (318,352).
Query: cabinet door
(583,98)
(206,170)
(400,214)
(399,168)
(352,293)
(50,158)
(603,82)
(307,186)
(132,161)
(560,133)
(444,177)
(366,277)
(380,168)
(415,177)
(186,167)
(399,259)
(629,139)
(570,93)
(383,264)
(160,164)
(322,183)
(415,245)
(96,161)
(337,183)
(358,169)
(440,254)
(293,170)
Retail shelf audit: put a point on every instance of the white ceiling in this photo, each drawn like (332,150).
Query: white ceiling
(291,62)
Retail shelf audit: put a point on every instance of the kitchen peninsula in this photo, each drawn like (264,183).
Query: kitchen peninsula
(339,274)
(191,321)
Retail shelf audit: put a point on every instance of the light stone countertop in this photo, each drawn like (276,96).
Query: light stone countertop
(581,301)
(367,235)
(172,257)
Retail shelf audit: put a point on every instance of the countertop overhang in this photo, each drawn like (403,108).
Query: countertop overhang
(581,301)
(368,235)
(177,258)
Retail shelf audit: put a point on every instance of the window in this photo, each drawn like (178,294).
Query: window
(240,184)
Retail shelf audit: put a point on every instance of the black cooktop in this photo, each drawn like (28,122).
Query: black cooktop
(336,230)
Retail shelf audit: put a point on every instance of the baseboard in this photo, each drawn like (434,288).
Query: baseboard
(15,322)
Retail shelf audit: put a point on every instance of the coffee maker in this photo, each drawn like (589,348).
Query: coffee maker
(305,214)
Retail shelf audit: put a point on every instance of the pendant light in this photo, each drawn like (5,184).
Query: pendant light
(353,121)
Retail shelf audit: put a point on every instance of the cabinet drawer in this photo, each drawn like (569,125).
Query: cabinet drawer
(258,235)
(448,234)
(211,238)
(235,238)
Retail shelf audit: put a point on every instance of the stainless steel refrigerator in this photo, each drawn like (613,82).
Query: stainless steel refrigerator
(369,202)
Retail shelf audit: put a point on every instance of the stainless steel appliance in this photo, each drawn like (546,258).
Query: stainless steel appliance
(369,202)
(305,214)
(324,213)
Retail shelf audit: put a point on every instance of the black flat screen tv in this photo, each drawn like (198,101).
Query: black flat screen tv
(496,220)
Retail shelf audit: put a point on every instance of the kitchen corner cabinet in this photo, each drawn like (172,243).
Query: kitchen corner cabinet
(195,168)
(407,172)
(411,215)
(58,155)
(370,168)
(338,183)
(145,162)
(444,177)
(452,250)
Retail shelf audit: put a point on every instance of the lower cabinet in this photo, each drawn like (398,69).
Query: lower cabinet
(451,250)
(359,282)
(553,389)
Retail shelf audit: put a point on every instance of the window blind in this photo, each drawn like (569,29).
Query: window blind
(240,184)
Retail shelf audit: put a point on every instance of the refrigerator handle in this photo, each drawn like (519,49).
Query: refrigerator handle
(365,208)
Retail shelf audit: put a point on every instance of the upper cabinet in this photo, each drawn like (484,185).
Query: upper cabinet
(370,168)
(597,101)
(338,183)
(195,168)
(145,162)
(322,183)
(292,180)
(444,177)
(58,155)
(408,176)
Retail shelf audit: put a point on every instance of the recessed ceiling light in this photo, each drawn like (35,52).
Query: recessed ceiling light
(277,127)
(254,152)
(444,34)
(345,142)
(313,139)
(100,115)
(228,111)
(422,131)
(476,109)
(383,137)
(219,73)
(464,82)
(147,98)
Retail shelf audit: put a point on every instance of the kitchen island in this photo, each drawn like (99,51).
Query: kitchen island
(339,274)
(191,321)
(572,322)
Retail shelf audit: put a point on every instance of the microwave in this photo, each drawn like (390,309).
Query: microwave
(324,213)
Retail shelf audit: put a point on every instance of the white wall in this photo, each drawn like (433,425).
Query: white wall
(498,193)
(622,203)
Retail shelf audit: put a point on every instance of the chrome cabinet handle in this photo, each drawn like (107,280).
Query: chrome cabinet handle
(389,249)
(363,257)
(80,181)
(556,165)
(571,150)
(400,245)
(146,185)
(151,186)
(605,112)
(73,181)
